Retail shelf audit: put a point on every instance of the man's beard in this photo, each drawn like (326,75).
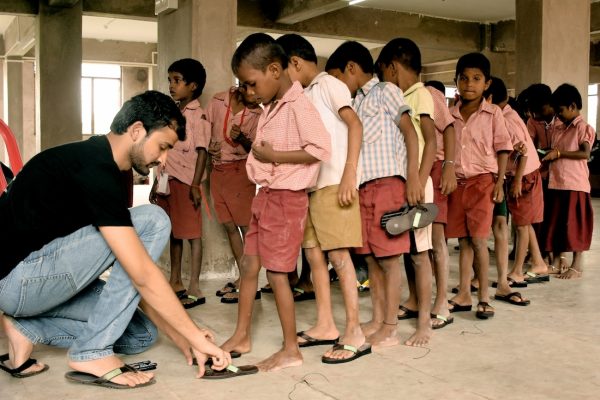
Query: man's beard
(138,163)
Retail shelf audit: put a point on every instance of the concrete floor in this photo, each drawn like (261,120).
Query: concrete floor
(548,350)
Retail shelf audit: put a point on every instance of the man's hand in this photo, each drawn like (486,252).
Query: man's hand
(498,194)
(263,152)
(414,191)
(448,181)
(196,195)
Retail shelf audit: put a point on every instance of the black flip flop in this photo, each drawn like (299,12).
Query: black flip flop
(512,283)
(196,301)
(234,300)
(302,295)
(532,277)
(266,289)
(358,352)
(311,341)
(230,372)
(18,372)
(208,363)
(104,380)
(508,298)
(473,289)
(408,218)
(408,313)
(445,321)
(458,307)
(484,314)
(226,289)
(181,294)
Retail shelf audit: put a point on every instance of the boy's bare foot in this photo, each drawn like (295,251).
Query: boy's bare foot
(19,348)
(280,360)
(571,273)
(439,309)
(370,327)
(320,333)
(420,338)
(355,338)
(239,343)
(386,336)
(102,366)
(463,299)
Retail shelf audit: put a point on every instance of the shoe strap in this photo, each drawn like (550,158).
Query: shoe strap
(232,368)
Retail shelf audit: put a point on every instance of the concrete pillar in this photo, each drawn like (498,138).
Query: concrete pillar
(29,133)
(58,78)
(13,98)
(553,43)
(204,30)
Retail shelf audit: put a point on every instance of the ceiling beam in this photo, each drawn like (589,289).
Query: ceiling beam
(19,37)
(294,11)
(19,7)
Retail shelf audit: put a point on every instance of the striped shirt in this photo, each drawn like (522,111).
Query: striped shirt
(379,107)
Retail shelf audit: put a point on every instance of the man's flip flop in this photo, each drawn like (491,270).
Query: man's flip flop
(301,295)
(509,299)
(196,301)
(532,277)
(228,288)
(230,371)
(358,352)
(18,372)
(512,283)
(311,341)
(208,363)
(484,314)
(459,308)
(234,300)
(104,380)
(408,313)
(407,218)
(445,321)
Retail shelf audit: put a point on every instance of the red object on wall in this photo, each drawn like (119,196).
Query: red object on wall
(14,156)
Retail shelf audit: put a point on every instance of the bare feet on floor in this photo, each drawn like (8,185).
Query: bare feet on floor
(571,273)
(355,339)
(370,327)
(102,366)
(320,333)
(386,336)
(239,343)
(420,338)
(280,360)
(19,348)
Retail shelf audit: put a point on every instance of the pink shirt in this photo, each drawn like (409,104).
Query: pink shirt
(291,124)
(541,132)
(518,131)
(441,118)
(568,174)
(479,139)
(181,159)
(247,119)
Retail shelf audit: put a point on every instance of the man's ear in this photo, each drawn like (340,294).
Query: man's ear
(136,130)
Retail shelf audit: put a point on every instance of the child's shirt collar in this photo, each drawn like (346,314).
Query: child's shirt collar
(366,88)
(484,106)
(192,105)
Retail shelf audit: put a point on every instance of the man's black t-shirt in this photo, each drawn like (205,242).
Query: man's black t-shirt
(58,192)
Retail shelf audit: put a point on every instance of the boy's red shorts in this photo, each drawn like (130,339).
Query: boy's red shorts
(276,228)
(529,208)
(232,192)
(439,199)
(186,220)
(377,197)
(470,208)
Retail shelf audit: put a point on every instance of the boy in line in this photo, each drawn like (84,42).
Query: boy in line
(333,224)
(389,179)
(290,142)
(483,145)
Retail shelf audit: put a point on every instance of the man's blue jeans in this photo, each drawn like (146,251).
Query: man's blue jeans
(56,298)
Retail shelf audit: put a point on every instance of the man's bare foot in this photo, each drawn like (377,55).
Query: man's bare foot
(571,273)
(386,336)
(320,333)
(280,360)
(370,327)
(19,348)
(420,338)
(102,366)
(355,338)
(239,343)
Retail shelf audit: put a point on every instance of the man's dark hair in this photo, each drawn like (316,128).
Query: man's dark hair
(350,51)
(497,90)
(259,50)
(536,97)
(402,50)
(296,45)
(474,60)
(192,71)
(438,85)
(565,95)
(154,110)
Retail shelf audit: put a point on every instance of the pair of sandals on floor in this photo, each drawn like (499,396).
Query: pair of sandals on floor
(230,293)
(357,352)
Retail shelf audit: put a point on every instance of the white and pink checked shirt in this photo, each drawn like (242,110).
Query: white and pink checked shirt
(294,124)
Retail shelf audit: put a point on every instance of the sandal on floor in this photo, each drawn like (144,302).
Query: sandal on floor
(228,288)
(234,300)
(512,283)
(485,314)
(509,299)
(408,313)
(473,289)
(358,352)
(196,301)
(445,321)
(301,294)
(18,372)
(230,371)
(104,380)
(181,294)
(310,341)
(266,289)
(532,277)
(458,307)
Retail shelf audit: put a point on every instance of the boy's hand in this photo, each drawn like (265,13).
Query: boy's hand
(498,194)
(263,152)
(214,149)
(520,148)
(515,189)
(235,132)
(448,183)
(347,189)
(195,196)
(414,191)
(551,155)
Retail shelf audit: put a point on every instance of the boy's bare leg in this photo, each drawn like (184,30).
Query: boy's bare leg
(440,266)
(176,251)
(353,335)
(325,327)
(289,355)
(377,291)
(195,268)
(538,264)
(236,243)
(500,230)
(240,340)
(465,263)
(304,281)
(576,269)
(521,245)
(422,267)
(482,264)
(19,347)
(412,303)
(387,334)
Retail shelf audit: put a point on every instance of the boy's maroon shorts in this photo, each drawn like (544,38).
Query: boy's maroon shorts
(439,199)
(470,208)
(232,192)
(377,197)
(276,228)
(529,208)
(186,220)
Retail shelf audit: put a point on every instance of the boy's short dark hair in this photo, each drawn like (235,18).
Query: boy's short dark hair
(296,45)
(438,85)
(192,71)
(259,50)
(403,50)
(537,96)
(154,110)
(474,60)
(565,95)
(350,51)
(497,90)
